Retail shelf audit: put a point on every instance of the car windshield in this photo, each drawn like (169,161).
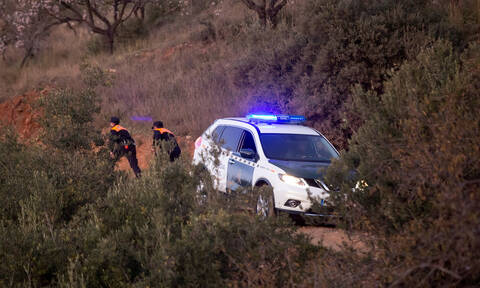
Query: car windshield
(296,147)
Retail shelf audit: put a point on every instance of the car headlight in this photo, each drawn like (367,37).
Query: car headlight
(292,180)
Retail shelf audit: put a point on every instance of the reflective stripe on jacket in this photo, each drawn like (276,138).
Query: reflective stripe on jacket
(118,128)
(163,130)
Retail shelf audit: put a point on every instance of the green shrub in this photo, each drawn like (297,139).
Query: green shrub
(43,189)
(68,118)
(418,154)
(152,232)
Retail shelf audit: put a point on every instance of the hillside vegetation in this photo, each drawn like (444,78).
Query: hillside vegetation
(393,84)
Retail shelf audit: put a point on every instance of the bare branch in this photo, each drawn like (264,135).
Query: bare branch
(423,266)
(115,10)
(90,13)
(251,5)
(99,16)
(272,4)
(279,7)
(90,23)
(266,12)
(122,19)
(71,8)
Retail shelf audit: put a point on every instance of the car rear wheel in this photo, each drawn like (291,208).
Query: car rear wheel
(265,207)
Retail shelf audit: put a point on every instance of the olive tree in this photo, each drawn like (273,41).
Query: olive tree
(25,23)
(103,17)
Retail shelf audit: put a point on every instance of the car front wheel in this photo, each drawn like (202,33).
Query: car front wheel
(265,207)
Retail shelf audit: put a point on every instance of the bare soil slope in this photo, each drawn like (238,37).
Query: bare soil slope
(19,113)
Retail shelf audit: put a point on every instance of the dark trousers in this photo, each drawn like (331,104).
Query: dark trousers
(131,154)
(175,154)
(132,159)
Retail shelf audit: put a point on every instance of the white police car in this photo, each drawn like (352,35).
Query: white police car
(272,150)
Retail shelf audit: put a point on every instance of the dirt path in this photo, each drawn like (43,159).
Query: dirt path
(334,238)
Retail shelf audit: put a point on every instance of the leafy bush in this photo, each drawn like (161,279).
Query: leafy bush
(68,119)
(43,189)
(418,154)
(154,233)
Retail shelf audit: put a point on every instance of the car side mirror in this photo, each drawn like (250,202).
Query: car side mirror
(248,153)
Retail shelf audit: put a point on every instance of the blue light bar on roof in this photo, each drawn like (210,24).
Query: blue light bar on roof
(262,117)
(269,118)
(298,118)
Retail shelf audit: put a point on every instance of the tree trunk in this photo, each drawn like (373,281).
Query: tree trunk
(140,13)
(262,16)
(28,54)
(272,18)
(110,35)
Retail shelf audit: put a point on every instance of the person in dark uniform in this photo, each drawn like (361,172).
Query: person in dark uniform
(165,139)
(122,144)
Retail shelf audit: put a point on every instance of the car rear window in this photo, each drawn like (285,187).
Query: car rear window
(217,133)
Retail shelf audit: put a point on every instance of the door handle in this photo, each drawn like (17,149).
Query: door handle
(231,161)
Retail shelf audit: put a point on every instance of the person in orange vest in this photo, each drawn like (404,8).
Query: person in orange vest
(122,144)
(164,138)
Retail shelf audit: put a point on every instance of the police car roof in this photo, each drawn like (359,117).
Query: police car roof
(276,128)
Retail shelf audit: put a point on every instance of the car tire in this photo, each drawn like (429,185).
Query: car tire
(265,203)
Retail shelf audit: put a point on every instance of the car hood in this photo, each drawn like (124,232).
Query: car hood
(312,170)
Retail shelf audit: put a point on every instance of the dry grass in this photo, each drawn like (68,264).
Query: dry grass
(179,85)
(176,77)
(56,64)
(178,74)
(183,77)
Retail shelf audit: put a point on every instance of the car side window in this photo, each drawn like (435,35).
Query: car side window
(248,142)
(230,137)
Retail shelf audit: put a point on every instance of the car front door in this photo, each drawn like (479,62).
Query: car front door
(241,167)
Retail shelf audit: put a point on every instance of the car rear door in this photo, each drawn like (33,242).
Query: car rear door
(240,169)
(228,141)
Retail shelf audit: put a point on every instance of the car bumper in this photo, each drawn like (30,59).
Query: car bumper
(308,214)
(285,193)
